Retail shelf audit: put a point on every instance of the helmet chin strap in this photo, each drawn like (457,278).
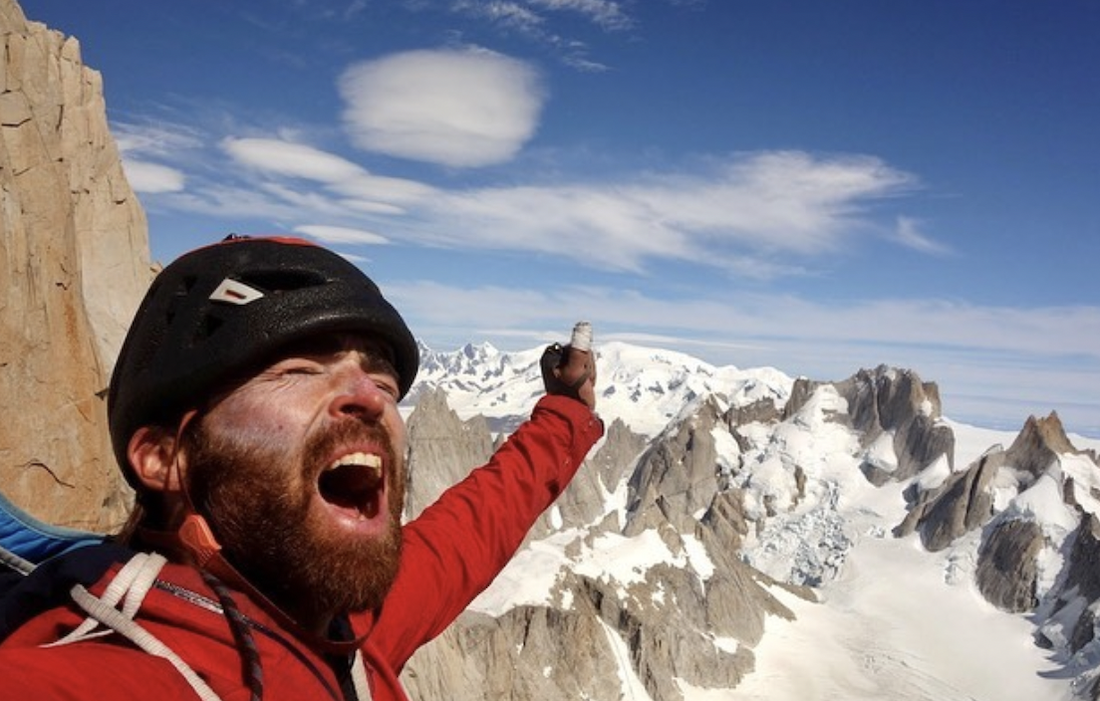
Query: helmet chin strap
(195,540)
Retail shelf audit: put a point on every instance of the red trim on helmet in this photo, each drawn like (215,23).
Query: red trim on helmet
(275,238)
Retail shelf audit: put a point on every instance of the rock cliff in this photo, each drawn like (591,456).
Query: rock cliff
(442,447)
(74,264)
(895,402)
(966,500)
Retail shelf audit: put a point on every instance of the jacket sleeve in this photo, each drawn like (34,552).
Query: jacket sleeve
(458,545)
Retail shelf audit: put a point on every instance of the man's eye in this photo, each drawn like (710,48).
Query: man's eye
(300,369)
(386,384)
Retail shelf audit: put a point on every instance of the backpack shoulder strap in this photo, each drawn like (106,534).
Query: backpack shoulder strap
(26,542)
(23,595)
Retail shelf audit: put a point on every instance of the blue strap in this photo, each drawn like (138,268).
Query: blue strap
(36,541)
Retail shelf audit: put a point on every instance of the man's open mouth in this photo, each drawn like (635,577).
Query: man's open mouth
(354,482)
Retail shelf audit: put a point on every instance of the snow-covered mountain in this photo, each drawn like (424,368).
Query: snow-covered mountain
(743,534)
(644,387)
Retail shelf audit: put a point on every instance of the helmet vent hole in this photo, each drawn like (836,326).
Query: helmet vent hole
(186,284)
(210,324)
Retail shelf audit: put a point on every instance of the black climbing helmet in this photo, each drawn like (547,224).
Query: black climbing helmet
(219,310)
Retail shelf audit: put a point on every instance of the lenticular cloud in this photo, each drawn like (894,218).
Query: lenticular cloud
(463,108)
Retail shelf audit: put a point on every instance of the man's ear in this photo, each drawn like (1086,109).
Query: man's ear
(153,454)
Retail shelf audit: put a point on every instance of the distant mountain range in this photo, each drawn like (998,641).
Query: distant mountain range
(728,512)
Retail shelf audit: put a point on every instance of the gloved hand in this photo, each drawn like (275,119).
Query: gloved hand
(570,370)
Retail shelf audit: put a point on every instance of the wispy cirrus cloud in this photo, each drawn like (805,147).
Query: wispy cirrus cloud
(536,20)
(908,234)
(757,213)
(277,157)
(149,152)
(751,205)
(606,14)
(337,235)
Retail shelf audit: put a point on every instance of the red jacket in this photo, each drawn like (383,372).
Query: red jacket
(452,551)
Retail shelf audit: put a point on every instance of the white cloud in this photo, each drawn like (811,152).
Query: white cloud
(997,363)
(460,108)
(368,188)
(144,149)
(604,13)
(758,215)
(288,158)
(909,235)
(155,139)
(341,235)
(356,189)
(754,205)
(145,177)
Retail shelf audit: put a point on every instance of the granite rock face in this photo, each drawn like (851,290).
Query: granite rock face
(965,501)
(442,449)
(893,401)
(73,267)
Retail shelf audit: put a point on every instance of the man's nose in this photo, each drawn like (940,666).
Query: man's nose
(358,395)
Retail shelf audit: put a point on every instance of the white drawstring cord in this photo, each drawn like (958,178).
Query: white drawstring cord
(359,677)
(131,585)
(134,581)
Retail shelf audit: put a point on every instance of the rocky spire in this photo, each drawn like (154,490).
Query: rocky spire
(74,263)
(895,401)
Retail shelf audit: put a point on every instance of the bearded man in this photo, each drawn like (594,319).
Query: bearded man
(254,409)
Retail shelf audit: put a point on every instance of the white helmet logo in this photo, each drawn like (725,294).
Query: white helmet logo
(235,292)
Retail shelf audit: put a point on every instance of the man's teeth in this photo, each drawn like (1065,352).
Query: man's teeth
(370,460)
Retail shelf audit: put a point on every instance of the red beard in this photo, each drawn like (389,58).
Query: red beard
(260,506)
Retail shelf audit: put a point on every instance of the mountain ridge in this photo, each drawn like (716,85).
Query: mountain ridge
(754,482)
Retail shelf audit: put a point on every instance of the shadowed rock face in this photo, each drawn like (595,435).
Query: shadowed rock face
(442,449)
(678,472)
(75,262)
(964,501)
(1008,565)
(1083,575)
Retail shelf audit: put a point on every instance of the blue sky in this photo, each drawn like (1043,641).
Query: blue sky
(812,186)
